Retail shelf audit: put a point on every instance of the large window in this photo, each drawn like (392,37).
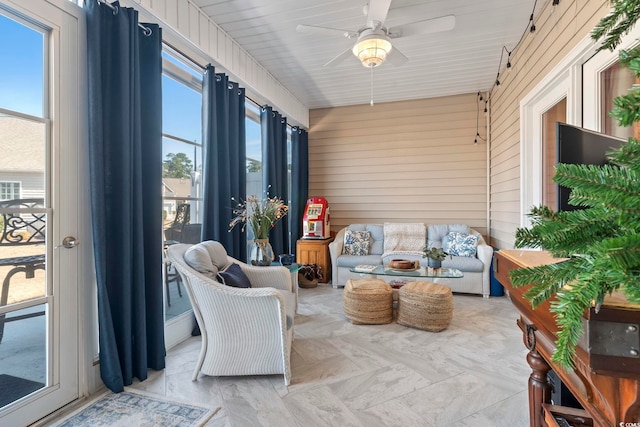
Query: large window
(181,166)
(254,151)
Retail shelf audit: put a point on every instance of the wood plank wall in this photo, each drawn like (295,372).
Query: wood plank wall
(558,30)
(408,161)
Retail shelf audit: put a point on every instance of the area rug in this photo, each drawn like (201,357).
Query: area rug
(13,388)
(134,409)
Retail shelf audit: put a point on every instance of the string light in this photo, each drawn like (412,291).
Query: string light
(530,28)
(479,99)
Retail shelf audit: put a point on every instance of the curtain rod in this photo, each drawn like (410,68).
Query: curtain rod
(146,30)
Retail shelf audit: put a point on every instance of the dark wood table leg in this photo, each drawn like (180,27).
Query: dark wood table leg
(539,388)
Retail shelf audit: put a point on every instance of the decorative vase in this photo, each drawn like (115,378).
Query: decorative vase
(261,252)
(434,263)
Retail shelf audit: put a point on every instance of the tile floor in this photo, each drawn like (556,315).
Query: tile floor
(472,374)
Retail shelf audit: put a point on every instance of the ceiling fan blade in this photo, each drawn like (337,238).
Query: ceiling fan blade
(396,57)
(310,29)
(338,59)
(377,11)
(434,25)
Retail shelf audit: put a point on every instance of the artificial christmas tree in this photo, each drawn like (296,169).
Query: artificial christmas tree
(602,241)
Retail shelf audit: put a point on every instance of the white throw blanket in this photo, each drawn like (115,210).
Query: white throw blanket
(404,238)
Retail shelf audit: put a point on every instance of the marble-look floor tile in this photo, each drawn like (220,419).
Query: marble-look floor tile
(253,402)
(392,414)
(474,373)
(374,387)
(319,407)
(511,412)
(205,390)
(457,397)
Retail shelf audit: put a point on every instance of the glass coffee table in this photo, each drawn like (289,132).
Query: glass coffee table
(405,276)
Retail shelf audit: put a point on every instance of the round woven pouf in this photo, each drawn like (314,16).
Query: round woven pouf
(368,301)
(425,305)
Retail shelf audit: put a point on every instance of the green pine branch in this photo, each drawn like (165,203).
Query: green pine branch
(619,22)
(607,185)
(602,241)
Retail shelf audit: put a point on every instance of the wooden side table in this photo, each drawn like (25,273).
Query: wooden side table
(315,251)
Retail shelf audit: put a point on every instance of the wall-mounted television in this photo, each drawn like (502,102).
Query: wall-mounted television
(576,145)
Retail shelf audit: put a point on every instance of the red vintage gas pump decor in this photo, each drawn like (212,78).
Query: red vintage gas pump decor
(315,222)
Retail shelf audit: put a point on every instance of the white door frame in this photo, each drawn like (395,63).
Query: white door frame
(592,109)
(64,114)
(564,80)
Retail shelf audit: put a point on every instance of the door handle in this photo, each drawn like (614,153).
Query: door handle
(69,242)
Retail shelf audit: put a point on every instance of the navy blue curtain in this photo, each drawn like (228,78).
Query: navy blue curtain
(225,171)
(125,148)
(299,182)
(274,171)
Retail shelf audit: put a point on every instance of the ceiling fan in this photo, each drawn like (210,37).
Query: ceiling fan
(373,45)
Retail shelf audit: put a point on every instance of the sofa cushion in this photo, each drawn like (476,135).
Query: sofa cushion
(351,261)
(356,242)
(234,276)
(463,263)
(436,232)
(377,236)
(460,244)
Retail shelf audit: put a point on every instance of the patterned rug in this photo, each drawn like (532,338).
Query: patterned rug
(133,409)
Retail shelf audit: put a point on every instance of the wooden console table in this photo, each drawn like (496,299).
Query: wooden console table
(607,387)
(315,251)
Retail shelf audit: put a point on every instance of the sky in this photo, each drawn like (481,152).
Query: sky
(21,86)
(21,79)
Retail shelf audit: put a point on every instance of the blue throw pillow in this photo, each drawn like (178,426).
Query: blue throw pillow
(234,276)
(460,244)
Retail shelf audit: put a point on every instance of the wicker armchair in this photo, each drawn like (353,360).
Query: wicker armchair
(245,331)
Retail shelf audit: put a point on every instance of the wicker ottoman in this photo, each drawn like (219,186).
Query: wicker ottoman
(425,305)
(368,301)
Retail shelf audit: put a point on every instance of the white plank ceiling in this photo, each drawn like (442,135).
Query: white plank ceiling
(463,60)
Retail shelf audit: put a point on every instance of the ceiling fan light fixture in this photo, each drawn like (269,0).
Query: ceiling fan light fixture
(372,50)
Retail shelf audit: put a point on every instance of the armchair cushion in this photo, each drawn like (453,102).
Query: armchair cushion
(198,258)
(207,258)
(460,244)
(234,276)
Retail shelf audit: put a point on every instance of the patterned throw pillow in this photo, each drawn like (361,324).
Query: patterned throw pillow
(357,242)
(460,244)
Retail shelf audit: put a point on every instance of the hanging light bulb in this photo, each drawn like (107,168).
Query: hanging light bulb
(532,28)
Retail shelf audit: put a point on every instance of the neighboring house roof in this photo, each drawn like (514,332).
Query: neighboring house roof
(22,144)
(178,187)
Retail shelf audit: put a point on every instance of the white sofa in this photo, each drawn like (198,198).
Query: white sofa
(476,269)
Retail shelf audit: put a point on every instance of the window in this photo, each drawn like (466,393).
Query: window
(9,190)
(557,113)
(253,143)
(615,81)
(181,166)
